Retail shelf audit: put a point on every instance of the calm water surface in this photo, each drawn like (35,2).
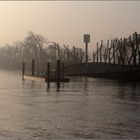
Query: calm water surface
(85,108)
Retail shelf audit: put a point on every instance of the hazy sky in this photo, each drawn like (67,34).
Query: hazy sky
(65,22)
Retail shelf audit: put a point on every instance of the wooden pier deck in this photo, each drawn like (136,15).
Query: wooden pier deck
(35,78)
(42,78)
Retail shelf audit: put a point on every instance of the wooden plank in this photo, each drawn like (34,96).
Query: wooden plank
(47,79)
(35,78)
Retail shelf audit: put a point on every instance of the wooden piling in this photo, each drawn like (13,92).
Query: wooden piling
(58,73)
(93,57)
(48,75)
(23,70)
(33,67)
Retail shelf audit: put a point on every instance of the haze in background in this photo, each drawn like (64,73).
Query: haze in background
(66,21)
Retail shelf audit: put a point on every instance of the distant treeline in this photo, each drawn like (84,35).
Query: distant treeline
(123,51)
(36,47)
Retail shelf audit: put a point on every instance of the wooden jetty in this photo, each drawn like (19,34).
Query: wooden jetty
(48,77)
(42,78)
(35,78)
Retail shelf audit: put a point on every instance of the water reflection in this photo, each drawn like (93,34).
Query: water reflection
(121,92)
(85,108)
(128,90)
(133,92)
(85,87)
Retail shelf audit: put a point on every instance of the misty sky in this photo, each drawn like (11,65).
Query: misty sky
(65,22)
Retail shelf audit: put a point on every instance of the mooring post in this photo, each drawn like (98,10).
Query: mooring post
(47,79)
(33,67)
(23,70)
(62,70)
(93,57)
(58,73)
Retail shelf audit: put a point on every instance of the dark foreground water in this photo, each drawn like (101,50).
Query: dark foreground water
(85,108)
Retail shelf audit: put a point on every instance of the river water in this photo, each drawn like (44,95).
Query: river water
(85,108)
